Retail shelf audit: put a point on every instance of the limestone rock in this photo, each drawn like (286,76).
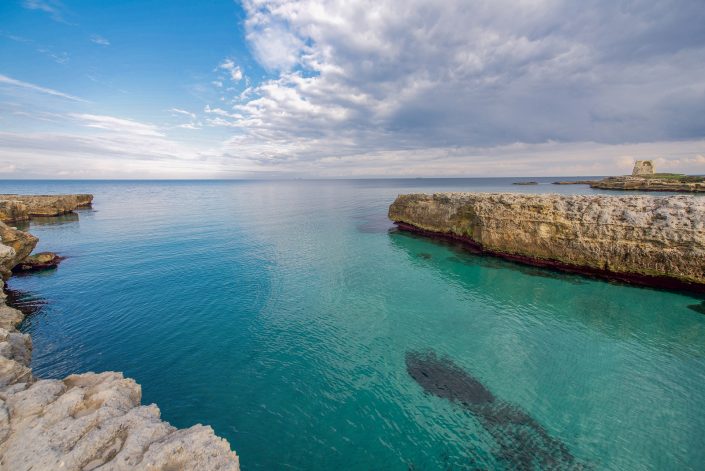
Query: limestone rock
(650,240)
(12,211)
(37,262)
(20,245)
(92,420)
(50,205)
(683,185)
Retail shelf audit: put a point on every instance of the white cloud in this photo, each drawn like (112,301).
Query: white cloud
(52,7)
(4,79)
(233,70)
(100,40)
(117,125)
(419,88)
(377,76)
(183,112)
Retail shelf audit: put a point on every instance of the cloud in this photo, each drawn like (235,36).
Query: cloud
(104,146)
(375,76)
(183,112)
(4,79)
(52,7)
(100,40)
(233,70)
(58,57)
(117,125)
(416,88)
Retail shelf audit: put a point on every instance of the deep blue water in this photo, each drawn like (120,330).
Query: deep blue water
(282,313)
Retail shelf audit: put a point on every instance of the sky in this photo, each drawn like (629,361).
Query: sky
(339,88)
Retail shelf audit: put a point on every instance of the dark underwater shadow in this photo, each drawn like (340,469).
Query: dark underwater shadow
(700,308)
(523,442)
(373,224)
(26,302)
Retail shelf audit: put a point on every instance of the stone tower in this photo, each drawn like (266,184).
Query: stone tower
(643,167)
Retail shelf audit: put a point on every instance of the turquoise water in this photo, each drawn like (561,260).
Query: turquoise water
(282,314)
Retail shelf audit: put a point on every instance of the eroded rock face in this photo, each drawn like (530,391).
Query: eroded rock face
(15,246)
(13,211)
(90,420)
(648,184)
(49,205)
(38,262)
(648,240)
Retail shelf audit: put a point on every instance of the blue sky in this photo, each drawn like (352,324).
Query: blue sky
(326,88)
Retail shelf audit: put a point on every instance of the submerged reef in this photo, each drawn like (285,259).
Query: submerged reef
(523,443)
(647,240)
(84,421)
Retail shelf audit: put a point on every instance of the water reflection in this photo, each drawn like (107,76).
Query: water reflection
(658,319)
(68,218)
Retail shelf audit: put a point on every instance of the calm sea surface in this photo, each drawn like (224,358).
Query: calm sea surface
(283,314)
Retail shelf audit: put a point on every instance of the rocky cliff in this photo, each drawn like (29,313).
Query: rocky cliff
(21,207)
(13,211)
(86,421)
(15,246)
(657,241)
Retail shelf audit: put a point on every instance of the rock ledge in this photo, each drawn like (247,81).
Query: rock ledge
(655,241)
(15,208)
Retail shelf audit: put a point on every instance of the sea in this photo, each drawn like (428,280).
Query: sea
(293,318)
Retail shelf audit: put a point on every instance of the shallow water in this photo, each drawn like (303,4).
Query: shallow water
(283,314)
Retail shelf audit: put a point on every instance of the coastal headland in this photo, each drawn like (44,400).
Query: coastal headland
(84,421)
(645,178)
(645,240)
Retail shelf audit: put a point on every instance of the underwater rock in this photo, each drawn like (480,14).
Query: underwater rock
(698,307)
(523,443)
(655,241)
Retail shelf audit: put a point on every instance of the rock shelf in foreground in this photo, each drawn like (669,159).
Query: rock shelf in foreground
(656,241)
(86,421)
(15,208)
